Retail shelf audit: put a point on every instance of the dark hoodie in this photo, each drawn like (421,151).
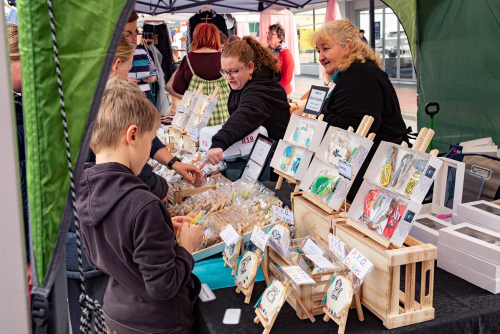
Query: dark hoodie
(128,234)
(262,101)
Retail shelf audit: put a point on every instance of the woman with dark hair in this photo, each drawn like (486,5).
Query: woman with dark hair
(256,98)
(201,66)
(276,42)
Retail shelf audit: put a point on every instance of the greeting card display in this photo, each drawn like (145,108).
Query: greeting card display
(403,170)
(291,160)
(386,216)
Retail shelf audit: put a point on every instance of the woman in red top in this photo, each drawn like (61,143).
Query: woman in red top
(276,42)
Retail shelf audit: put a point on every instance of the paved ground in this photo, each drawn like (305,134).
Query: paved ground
(406,95)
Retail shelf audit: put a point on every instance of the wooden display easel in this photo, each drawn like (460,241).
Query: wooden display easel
(363,129)
(342,321)
(288,178)
(241,251)
(248,291)
(421,143)
(268,324)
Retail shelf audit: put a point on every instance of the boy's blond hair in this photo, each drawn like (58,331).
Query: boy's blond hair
(123,104)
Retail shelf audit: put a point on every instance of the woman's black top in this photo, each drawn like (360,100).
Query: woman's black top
(262,101)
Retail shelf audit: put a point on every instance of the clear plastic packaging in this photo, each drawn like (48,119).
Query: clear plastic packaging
(274,296)
(303,134)
(325,184)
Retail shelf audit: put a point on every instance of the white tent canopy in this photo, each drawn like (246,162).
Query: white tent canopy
(154,7)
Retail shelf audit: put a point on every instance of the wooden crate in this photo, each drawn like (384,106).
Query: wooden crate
(310,219)
(178,195)
(381,292)
(189,144)
(311,301)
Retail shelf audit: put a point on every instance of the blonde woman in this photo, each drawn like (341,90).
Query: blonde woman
(362,87)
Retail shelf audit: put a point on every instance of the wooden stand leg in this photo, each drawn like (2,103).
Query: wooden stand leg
(246,291)
(359,309)
(278,184)
(304,307)
(339,321)
(268,325)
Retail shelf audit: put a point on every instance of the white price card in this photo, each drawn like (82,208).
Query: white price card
(345,169)
(298,275)
(206,294)
(181,142)
(358,264)
(281,214)
(259,238)
(337,247)
(229,235)
(193,132)
(321,261)
(310,247)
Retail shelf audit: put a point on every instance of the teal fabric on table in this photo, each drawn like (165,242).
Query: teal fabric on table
(212,272)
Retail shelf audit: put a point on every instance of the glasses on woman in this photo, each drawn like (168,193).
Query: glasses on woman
(270,33)
(129,33)
(231,73)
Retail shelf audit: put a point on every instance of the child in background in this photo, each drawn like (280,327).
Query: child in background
(126,230)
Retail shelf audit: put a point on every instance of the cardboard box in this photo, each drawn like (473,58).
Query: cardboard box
(404,226)
(238,149)
(333,201)
(308,139)
(474,240)
(492,150)
(482,212)
(477,142)
(304,155)
(459,220)
(469,275)
(486,268)
(418,172)
(426,229)
(360,144)
(446,200)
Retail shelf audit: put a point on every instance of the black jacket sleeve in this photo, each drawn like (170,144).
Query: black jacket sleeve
(157,144)
(253,110)
(156,183)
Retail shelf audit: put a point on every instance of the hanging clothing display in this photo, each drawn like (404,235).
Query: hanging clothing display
(231,24)
(284,17)
(162,102)
(332,14)
(164,46)
(11,17)
(204,17)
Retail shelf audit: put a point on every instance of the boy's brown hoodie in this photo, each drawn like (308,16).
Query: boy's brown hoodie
(128,234)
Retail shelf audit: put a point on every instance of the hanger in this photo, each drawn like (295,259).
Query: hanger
(276,7)
(205,9)
(154,21)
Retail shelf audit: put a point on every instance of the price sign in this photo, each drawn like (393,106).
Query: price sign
(193,132)
(229,235)
(316,100)
(337,247)
(259,238)
(358,264)
(281,214)
(320,261)
(310,247)
(345,169)
(298,275)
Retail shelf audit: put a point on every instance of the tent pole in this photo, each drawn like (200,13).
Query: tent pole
(14,309)
(372,24)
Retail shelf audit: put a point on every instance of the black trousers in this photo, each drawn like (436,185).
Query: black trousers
(95,288)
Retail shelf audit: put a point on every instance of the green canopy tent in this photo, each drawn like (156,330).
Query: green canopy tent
(456,45)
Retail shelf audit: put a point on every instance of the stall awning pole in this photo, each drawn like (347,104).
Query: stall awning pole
(372,24)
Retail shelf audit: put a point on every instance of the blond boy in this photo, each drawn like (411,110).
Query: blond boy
(126,230)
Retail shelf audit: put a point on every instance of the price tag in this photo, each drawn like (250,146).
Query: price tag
(259,238)
(281,214)
(337,247)
(320,261)
(358,264)
(298,275)
(345,169)
(193,132)
(310,247)
(181,142)
(229,235)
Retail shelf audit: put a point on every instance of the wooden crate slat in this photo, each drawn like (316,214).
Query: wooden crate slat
(404,255)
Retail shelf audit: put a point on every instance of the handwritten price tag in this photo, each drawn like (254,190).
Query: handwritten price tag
(259,238)
(358,264)
(337,247)
(310,247)
(193,132)
(229,235)
(298,275)
(320,261)
(281,214)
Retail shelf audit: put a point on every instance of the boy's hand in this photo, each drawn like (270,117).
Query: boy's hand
(191,237)
(185,170)
(178,221)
